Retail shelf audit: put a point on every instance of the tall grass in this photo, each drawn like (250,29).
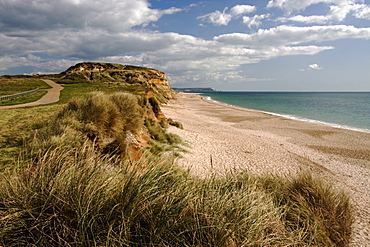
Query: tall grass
(104,119)
(323,212)
(79,198)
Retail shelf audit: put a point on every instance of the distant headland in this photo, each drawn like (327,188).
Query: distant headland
(196,90)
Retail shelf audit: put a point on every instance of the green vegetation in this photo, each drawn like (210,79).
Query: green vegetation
(175,123)
(161,141)
(24,99)
(82,89)
(13,85)
(19,125)
(104,119)
(114,73)
(97,169)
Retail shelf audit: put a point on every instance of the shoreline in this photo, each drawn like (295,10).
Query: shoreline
(223,137)
(291,117)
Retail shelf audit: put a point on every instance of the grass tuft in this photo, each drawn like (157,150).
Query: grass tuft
(319,213)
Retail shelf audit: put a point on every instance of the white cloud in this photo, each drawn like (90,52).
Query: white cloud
(255,20)
(297,5)
(338,10)
(314,66)
(318,19)
(336,14)
(46,15)
(362,11)
(290,35)
(175,53)
(239,10)
(42,66)
(218,18)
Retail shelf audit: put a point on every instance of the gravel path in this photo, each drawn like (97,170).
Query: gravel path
(223,137)
(52,96)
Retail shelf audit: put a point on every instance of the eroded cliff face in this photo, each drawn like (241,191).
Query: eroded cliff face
(151,79)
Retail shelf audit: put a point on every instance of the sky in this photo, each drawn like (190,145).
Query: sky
(249,45)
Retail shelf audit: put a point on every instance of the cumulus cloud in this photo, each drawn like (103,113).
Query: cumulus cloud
(290,35)
(338,10)
(254,21)
(314,66)
(362,11)
(297,5)
(218,18)
(42,66)
(181,56)
(46,15)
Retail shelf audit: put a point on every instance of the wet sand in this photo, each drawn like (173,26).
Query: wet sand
(224,138)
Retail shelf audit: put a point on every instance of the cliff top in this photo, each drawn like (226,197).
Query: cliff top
(100,67)
(135,77)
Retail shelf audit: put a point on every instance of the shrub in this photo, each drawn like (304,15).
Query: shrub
(174,123)
(104,119)
(119,112)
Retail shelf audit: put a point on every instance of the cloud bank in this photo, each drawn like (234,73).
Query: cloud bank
(52,35)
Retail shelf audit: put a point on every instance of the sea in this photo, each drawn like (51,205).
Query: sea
(347,110)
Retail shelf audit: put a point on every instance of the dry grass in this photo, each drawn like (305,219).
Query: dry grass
(103,119)
(79,198)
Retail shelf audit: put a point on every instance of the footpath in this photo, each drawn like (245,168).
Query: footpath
(52,96)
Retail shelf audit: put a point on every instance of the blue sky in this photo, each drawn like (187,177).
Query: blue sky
(264,45)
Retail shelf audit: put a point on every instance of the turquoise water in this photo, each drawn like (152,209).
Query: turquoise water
(345,110)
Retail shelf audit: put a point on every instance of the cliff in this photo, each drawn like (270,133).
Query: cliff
(149,79)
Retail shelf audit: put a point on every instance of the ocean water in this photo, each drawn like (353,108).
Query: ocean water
(338,109)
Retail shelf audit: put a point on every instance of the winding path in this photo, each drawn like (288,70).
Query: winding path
(52,96)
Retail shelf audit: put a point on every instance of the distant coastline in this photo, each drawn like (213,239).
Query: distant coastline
(196,90)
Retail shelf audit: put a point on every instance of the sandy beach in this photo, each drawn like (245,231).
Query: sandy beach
(224,138)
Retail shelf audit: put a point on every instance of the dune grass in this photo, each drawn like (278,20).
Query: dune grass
(111,121)
(64,190)
(79,198)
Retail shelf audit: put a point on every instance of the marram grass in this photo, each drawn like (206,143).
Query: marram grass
(79,198)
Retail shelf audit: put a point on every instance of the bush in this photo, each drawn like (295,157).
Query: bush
(174,123)
(104,119)
(119,112)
